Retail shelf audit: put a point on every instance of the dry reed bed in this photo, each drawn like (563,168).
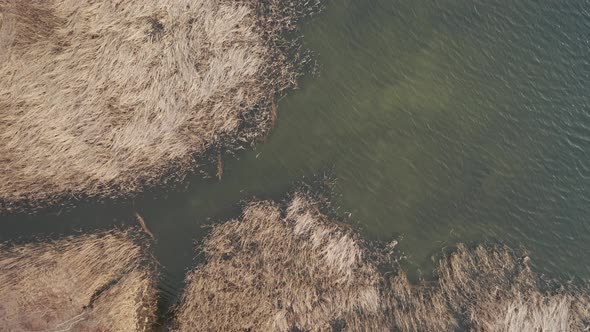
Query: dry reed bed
(293,269)
(492,289)
(275,272)
(486,289)
(102,99)
(98,282)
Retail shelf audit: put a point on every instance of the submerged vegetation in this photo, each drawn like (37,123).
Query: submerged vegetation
(293,269)
(97,282)
(104,99)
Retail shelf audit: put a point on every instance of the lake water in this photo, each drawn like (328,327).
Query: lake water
(441,121)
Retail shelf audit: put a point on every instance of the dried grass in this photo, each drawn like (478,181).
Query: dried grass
(479,283)
(268,272)
(485,289)
(491,289)
(416,307)
(106,98)
(538,312)
(93,282)
(294,269)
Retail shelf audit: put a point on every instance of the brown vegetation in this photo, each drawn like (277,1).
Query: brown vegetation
(96,282)
(105,98)
(268,272)
(295,270)
(491,289)
(415,307)
(486,289)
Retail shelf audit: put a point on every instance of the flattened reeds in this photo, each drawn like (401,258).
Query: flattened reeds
(415,307)
(275,272)
(491,289)
(293,269)
(97,282)
(106,98)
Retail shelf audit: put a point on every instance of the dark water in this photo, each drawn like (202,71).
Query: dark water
(443,122)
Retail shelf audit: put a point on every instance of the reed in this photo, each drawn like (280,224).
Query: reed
(104,99)
(492,289)
(291,268)
(282,270)
(415,307)
(96,282)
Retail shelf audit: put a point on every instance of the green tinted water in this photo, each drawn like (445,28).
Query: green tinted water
(443,122)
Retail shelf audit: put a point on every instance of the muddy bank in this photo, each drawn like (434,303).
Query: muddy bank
(93,282)
(103,100)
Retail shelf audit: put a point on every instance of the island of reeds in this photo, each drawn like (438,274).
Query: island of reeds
(94,282)
(290,267)
(104,99)
(280,267)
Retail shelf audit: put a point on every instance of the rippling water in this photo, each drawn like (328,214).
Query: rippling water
(443,121)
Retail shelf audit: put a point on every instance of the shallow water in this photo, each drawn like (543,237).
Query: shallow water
(442,121)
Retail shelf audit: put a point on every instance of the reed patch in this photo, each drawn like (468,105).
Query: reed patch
(276,270)
(106,99)
(95,282)
(291,268)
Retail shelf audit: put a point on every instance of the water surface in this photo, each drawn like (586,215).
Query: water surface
(443,122)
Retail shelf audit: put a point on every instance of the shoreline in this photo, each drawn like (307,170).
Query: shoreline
(273,42)
(291,248)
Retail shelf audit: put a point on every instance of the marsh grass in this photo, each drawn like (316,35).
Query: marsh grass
(292,268)
(479,283)
(97,282)
(486,289)
(493,289)
(415,307)
(105,99)
(279,270)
